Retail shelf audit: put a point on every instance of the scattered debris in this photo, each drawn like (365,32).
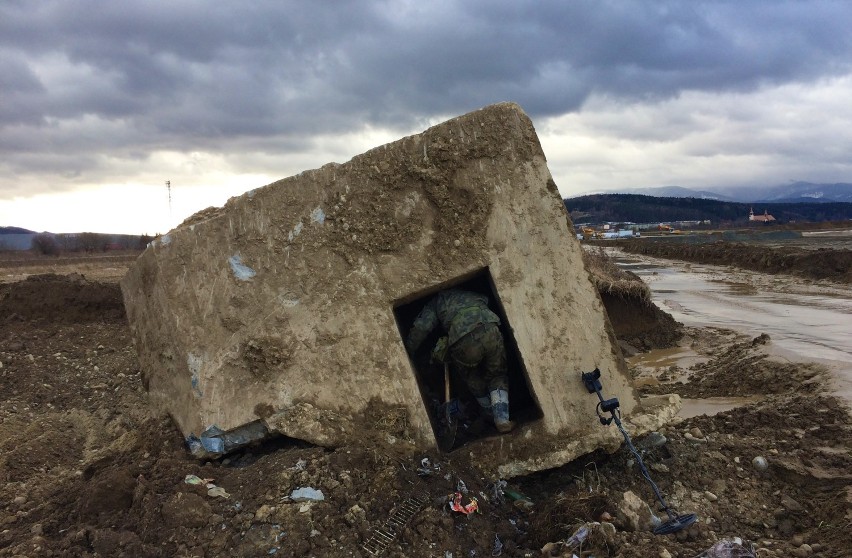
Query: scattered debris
(498,546)
(455,503)
(214,442)
(194,479)
(217,492)
(307,494)
(383,536)
(729,548)
(427,467)
(518,499)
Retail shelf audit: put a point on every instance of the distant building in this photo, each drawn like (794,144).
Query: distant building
(765,218)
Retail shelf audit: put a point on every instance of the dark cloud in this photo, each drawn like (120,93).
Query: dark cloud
(122,77)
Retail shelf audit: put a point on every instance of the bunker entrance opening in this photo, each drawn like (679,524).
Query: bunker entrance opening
(473,422)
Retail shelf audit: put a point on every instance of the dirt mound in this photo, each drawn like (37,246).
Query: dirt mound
(638,323)
(90,470)
(831,264)
(60,298)
(742,369)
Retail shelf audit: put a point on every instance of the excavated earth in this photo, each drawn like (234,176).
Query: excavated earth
(90,469)
(834,264)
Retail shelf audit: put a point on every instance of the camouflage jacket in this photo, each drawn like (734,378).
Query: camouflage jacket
(459,313)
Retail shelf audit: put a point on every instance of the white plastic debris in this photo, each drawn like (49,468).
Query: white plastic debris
(307,494)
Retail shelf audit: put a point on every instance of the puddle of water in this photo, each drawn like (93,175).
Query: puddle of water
(713,405)
(813,326)
(666,358)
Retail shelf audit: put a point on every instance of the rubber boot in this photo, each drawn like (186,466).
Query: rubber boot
(500,410)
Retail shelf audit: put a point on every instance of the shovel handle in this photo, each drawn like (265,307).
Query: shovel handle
(446,382)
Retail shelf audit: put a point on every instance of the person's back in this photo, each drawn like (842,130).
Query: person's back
(460,312)
(476,351)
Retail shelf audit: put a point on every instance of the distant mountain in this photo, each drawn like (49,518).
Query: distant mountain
(800,192)
(795,192)
(677,192)
(15,230)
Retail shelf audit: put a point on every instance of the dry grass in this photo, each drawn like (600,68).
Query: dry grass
(609,278)
(109,268)
(559,517)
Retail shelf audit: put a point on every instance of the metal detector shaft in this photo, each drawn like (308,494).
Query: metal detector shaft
(593,385)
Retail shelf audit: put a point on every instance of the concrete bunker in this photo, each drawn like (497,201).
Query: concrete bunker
(523,405)
(280,312)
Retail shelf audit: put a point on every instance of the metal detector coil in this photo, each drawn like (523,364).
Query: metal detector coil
(676,522)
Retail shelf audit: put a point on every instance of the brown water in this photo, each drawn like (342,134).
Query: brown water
(807,321)
(712,405)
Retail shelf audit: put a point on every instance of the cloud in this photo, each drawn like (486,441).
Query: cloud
(701,139)
(91,90)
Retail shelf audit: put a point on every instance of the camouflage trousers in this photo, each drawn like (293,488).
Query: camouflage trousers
(479,358)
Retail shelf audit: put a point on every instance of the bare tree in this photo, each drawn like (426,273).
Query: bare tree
(46,244)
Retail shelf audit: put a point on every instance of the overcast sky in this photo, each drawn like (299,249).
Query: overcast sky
(102,102)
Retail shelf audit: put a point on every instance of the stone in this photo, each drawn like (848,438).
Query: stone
(636,513)
(790,504)
(710,496)
(718,486)
(263,512)
(665,554)
(660,467)
(760,464)
(20,500)
(355,515)
(290,295)
(696,432)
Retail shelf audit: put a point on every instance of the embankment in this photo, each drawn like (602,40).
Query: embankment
(825,263)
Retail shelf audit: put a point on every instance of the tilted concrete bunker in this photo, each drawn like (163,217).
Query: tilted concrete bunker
(284,310)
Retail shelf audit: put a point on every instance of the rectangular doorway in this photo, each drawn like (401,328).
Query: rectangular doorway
(473,423)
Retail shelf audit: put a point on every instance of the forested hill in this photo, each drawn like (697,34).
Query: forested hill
(635,208)
(14,230)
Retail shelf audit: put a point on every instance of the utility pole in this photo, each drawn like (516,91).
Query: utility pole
(169,188)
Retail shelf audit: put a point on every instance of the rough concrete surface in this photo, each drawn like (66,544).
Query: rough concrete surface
(281,304)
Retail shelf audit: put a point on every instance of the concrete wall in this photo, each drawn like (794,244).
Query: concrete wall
(279,306)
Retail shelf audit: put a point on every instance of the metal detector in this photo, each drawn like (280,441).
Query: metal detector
(675,523)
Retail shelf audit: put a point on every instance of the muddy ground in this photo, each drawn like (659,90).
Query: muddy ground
(89,469)
(826,263)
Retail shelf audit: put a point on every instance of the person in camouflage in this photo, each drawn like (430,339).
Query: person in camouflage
(475,352)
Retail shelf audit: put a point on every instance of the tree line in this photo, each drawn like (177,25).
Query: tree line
(50,244)
(598,208)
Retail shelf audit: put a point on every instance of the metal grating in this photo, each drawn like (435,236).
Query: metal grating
(384,535)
